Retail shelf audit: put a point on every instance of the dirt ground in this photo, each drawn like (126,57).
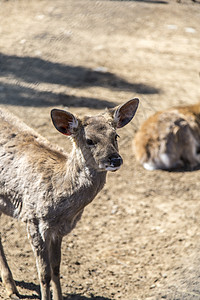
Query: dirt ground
(139,239)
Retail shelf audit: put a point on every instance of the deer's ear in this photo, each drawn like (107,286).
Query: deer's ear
(123,114)
(64,121)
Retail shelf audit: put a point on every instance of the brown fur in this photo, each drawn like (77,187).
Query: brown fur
(48,189)
(169,139)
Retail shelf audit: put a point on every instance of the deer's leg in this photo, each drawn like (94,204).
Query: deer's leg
(6,275)
(41,251)
(55,258)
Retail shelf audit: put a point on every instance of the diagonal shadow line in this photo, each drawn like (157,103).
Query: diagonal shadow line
(11,94)
(35,69)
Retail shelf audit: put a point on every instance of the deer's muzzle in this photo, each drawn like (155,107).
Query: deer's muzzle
(113,163)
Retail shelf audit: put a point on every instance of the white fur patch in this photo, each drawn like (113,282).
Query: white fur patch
(112,168)
(43,229)
(165,160)
(74,123)
(116,116)
(149,166)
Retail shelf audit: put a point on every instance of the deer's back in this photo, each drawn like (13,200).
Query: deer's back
(40,183)
(28,165)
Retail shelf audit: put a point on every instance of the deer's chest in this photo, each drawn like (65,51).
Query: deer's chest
(64,216)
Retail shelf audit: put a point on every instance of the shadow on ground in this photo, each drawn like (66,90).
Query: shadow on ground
(34,70)
(36,290)
(79,297)
(13,94)
(183,169)
(146,1)
(29,286)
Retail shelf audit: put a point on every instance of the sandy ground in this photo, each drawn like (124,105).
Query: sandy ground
(139,239)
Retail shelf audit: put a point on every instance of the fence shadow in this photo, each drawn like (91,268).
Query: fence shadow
(34,70)
(11,94)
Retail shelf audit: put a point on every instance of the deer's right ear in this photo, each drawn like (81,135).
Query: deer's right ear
(123,114)
(64,121)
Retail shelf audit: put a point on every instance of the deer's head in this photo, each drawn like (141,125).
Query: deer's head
(96,136)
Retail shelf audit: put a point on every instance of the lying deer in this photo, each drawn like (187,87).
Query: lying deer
(170,139)
(47,189)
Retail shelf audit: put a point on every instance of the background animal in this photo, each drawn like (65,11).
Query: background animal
(169,139)
(48,189)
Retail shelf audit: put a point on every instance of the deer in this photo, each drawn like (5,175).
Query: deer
(48,189)
(169,139)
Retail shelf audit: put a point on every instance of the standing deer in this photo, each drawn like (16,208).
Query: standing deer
(170,139)
(47,189)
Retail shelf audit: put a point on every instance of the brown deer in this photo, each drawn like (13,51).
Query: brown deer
(170,139)
(47,189)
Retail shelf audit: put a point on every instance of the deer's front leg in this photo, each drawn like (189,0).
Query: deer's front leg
(41,251)
(55,259)
(6,275)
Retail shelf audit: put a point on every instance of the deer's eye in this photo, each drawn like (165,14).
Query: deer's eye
(90,142)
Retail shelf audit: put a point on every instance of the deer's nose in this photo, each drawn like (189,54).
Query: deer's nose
(116,161)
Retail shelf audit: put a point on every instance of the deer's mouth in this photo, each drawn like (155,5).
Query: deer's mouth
(113,164)
(112,169)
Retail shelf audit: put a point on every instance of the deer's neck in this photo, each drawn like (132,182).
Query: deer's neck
(83,178)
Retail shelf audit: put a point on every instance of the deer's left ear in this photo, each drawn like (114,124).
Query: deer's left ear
(64,121)
(123,114)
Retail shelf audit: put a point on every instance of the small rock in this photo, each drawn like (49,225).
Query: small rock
(114,209)
(100,69)
(172,26)
(190,30)
(39,17)
(38,53)
(152,286)
(23,41)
